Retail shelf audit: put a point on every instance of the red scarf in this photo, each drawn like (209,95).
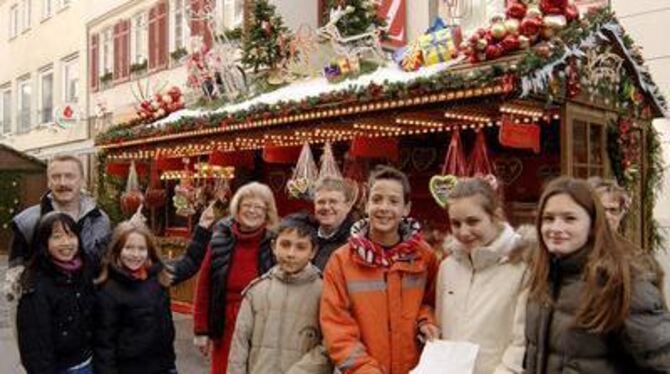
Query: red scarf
(376,255)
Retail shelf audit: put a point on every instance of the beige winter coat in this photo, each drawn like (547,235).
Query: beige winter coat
(277,328)
(481,299)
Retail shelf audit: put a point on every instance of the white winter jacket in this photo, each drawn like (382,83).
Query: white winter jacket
(481,299)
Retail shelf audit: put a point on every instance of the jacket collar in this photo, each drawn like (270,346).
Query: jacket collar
(373,254)
(341,233)
(124,276)
(306,275)
(87,205)
(497,251)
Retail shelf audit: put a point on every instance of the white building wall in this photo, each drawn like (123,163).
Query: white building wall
(47,43)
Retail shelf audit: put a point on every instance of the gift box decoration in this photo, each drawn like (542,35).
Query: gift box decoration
(439,46)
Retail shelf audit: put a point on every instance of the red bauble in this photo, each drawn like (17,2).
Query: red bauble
(510,43)
(530,27)
(516,9)
(494,51)
(130,201)
(572,13)
(553,6)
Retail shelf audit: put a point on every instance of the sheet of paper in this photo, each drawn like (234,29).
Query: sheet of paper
(446,356)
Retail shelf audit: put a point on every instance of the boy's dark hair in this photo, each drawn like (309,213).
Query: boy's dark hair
(303,224)
(391,173)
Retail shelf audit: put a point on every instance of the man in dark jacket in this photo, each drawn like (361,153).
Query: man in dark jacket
(65,175)
(333,201)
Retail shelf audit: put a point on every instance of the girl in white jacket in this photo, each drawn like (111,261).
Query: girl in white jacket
(481,294)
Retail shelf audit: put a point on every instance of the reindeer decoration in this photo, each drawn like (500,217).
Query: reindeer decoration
(353,46)
(219,70)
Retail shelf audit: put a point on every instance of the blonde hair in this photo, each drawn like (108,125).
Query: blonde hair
(257,190)
(610,186)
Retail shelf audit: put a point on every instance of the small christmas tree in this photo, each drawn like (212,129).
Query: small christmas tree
(266,41)
(360,20)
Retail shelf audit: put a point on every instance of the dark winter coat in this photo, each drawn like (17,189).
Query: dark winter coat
(555,345)
(134,332)
(188,265)
(328,245)
(222,246)
(93,224)
(55,318)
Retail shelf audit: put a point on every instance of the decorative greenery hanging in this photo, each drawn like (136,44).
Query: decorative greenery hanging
(10,198)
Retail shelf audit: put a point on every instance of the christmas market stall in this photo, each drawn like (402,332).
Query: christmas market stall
(22,181)
(540,92)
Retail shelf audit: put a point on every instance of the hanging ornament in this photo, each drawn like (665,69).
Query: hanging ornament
(454,167)
(267,27)
(479,162)
(304,175)
(132,198)
(329,166)
(184,193)
(155,196)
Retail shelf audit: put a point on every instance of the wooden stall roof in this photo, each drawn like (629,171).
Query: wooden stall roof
(14,160)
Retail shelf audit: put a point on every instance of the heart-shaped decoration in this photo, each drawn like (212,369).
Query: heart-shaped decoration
(440,186)
(276,180)
(298,188)
(508,169)
(423,158)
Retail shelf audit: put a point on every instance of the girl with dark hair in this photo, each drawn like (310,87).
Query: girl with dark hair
(54,318)
(593,307)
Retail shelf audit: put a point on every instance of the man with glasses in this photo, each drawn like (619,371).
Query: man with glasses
(333,201)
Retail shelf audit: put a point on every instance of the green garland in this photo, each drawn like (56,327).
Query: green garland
(10,198)
(652,186)
(109,191)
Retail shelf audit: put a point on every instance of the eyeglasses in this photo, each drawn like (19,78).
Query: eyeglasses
(256,207)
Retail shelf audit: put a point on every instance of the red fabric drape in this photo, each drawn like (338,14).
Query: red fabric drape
(454,162)
(363,147)
(281,155)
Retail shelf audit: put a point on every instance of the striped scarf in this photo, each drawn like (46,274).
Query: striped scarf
(376,255)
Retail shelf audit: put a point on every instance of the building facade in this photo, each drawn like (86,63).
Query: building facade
(42,49)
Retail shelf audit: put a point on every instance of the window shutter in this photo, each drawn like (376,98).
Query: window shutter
(153,37)
(117,50)
(162,34)
(196,25)
(199,27)
(93,58)
(126,48)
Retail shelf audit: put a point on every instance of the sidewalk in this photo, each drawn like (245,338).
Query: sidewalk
(189,360)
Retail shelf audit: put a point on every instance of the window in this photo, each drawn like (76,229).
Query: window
(24,118)
(47,97)
(71,80)
(47,8)
(180,28)
(140,41)
(6,111)
(106,52)
(588,148)
(26,9)
(13,21)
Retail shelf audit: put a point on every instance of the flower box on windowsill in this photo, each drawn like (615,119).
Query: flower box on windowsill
(106,80)
(177,55)
(138,70)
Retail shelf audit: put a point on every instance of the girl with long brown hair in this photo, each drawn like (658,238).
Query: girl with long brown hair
(593,308)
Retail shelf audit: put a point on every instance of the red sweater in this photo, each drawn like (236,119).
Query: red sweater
(243,269)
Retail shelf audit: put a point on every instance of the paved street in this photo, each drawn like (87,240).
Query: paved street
(189,361)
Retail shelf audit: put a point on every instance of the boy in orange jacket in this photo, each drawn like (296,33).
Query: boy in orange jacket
(378,289)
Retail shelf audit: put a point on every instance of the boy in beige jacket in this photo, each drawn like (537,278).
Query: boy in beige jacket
(277,328)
